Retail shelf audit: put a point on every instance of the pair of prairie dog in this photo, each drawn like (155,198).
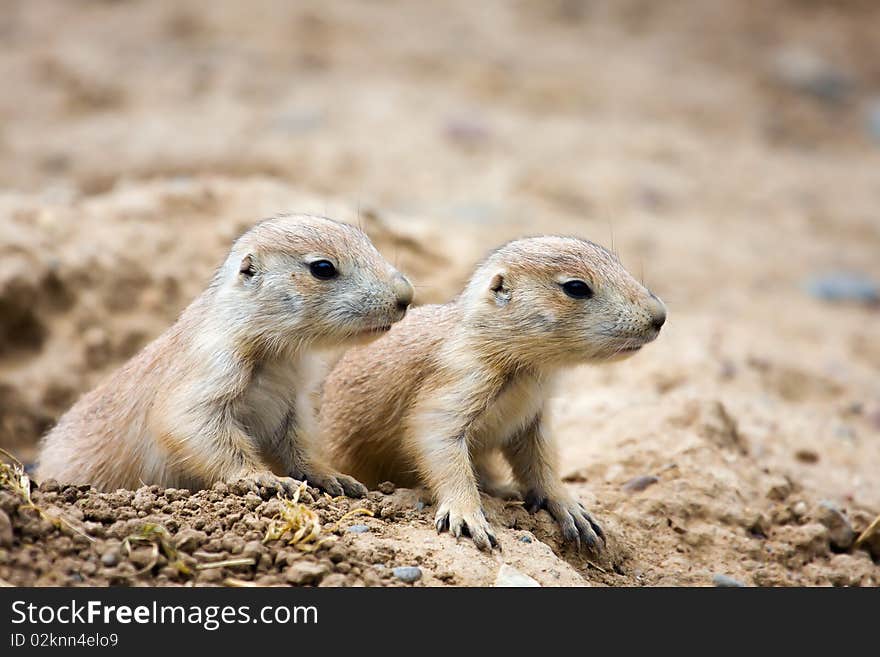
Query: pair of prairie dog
(227,392)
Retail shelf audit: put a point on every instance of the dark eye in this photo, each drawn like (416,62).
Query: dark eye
(323,269)
(577,289)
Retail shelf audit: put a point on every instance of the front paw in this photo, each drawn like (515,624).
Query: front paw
(254,480)
(468,521)
(575,521)
(336,483)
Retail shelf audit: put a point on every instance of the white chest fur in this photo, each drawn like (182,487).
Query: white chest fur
(515,407)
(277,396)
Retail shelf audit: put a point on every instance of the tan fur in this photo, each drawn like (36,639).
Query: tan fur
(450,387)
(226,392)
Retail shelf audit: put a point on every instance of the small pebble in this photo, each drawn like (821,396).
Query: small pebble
(189,539)
(387,487)
(840,533)
(110,558)
(807,72)
(639,483)
(844,286)
(806,456)
(525,539)
(508,576)
(358,529)
(725,581)
(408,574)
(50,486)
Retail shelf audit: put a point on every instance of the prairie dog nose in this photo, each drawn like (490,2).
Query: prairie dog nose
(658,312)
(403,290)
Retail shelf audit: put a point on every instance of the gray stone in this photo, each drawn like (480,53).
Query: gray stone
(408,574)
(844,286)
(725,581)
(840,533)
(807,72)
(358,529)
(640,483)
(110,558)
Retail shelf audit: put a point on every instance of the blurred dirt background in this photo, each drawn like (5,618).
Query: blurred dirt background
(729,152)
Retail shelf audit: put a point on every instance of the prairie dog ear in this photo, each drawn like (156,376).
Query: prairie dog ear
(500,288)
(247,269)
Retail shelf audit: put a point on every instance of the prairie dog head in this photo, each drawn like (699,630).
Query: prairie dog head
(560,300)
(307,279)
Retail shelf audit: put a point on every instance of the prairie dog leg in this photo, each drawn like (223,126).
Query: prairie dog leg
(300,460)
(534,460)
(491,478)
(235,458)
(446,465)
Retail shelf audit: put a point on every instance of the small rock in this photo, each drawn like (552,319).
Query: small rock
(143,500)
(110,558)
(408,574)
(334,580)
(466,130)
(812,539)
(508,576)
(844,286)
(799,509)
(358,529)
(50,486)
(725,581)
(387,487)
(851,569)
(779,490)
(639,483)
(807,72)
(232,544)
(758,524)
(189,540)
(806,456)
(305,572)
(525,539)
(253,549)
(840,532)
(6,535)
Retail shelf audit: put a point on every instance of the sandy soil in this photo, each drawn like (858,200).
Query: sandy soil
(727,155)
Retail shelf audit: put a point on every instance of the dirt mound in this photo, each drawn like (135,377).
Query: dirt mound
(692,454)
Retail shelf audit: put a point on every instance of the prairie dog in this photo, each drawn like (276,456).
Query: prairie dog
(450,387)
(226,392)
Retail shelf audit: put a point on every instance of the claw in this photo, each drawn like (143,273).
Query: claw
(534,502)
(351,486)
